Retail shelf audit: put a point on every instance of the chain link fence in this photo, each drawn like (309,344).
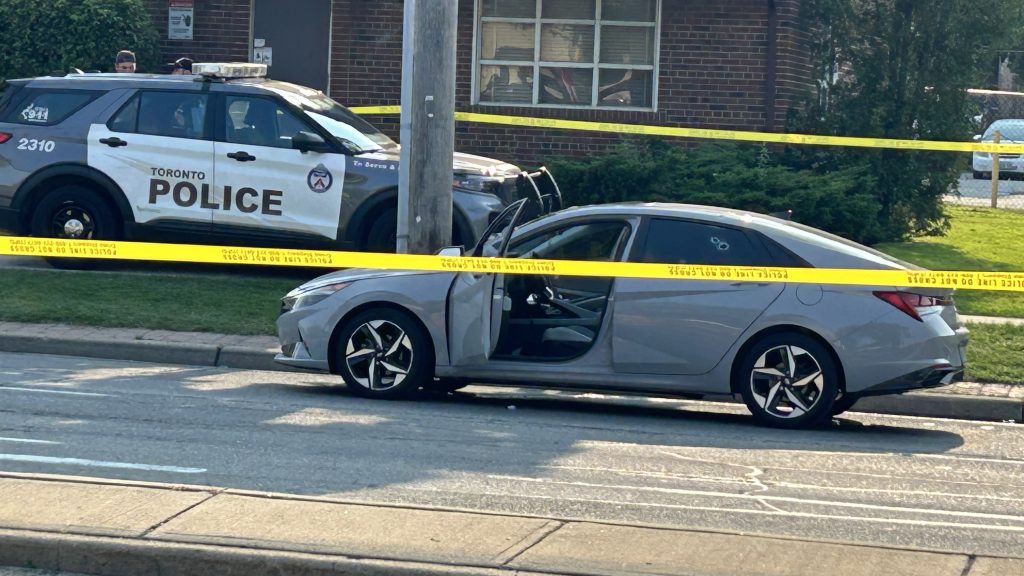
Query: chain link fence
(994,179)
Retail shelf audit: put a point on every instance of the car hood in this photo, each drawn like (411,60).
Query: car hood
(461,163)
(354,274)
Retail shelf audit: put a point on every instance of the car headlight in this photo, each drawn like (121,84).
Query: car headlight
(304,297)
(476,183)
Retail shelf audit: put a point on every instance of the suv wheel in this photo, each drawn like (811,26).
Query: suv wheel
(788,380)
(383,233)
(74,212)
(383,353)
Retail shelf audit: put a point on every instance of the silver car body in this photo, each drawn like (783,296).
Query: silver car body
(1011,132)
(657,336)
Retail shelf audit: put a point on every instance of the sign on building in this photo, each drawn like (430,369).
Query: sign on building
(180,19)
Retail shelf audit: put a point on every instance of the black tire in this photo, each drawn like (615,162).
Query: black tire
(773,393)
(74,211)
(383,232)
(844,403)
(400,343)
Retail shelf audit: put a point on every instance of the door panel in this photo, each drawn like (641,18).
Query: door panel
(470,338)
(682,326)
(298,33)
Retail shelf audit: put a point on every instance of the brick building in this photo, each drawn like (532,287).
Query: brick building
(702,63)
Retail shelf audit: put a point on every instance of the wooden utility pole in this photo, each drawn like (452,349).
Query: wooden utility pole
(427,126)
(995,170)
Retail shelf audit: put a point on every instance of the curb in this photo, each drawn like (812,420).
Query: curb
(108,556)
(922,404)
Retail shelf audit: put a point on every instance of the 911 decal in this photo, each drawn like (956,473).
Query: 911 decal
(33,145)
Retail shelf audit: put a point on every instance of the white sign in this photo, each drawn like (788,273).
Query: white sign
(180,19)
(263,56)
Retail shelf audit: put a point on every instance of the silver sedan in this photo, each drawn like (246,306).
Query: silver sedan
(796,353)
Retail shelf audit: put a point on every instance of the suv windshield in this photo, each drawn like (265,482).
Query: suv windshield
(357,134)
(1009,130)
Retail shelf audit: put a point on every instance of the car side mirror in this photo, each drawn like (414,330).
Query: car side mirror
(977,137)
(451,251)
(309,142)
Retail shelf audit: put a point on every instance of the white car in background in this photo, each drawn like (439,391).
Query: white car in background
(1011,131)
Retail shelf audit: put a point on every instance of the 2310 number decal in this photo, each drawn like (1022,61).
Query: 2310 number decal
(34,145)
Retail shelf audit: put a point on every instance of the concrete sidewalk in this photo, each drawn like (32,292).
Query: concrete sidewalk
(965,400)
(116,528)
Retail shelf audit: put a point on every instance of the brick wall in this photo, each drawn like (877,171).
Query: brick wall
(713,69)
(221,32)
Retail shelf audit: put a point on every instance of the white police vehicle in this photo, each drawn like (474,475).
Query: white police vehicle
(224,156)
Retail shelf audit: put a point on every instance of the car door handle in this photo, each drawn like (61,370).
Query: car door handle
(241,156)
(113,142)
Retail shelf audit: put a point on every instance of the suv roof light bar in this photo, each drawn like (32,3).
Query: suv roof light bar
(229,70)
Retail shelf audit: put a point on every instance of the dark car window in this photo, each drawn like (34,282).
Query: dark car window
(7,92)
(685,242)
(595,242)
(47,108)
(171,114)
(127,118)
(260,122)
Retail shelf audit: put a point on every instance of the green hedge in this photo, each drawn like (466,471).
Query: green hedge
(740,176)
(45,36)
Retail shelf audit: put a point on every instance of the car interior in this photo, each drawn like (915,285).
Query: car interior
(550,317)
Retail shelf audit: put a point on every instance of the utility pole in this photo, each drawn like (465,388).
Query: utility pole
(427,126)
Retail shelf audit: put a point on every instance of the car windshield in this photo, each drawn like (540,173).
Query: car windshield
(357,134)
(1011,130)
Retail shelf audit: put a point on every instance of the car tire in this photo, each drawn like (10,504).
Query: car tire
(844,403)
(788,380)
(74,211)
(383,232)
(384,353)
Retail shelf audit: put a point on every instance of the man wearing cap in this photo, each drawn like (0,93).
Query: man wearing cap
(181,66)
(124,62)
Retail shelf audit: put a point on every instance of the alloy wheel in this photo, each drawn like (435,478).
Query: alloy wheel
(787,381)
(379,355)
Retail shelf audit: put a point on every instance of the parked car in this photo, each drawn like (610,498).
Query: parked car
(797,353)
(225,155)
(1011,131)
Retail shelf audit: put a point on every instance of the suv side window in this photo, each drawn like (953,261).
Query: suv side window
(170,114)
(260,122)
(686,242)
(46,108)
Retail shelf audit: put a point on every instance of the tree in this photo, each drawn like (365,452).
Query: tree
(46,36)
(900,69)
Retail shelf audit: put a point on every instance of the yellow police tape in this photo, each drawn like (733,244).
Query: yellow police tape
(711,134)
(48,247)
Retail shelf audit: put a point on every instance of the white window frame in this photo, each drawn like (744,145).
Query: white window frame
(537,21)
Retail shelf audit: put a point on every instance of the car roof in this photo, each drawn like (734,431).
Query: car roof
(113,81)
(671,210)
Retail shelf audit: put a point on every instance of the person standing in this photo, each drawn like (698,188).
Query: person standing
(124,62)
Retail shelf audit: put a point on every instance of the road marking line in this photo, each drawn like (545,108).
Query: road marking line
(98,463)
(17,389)
(759,498)
(27,441)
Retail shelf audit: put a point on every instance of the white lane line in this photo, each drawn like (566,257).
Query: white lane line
(98,463)
(759,498)
(16,389)
(27,441)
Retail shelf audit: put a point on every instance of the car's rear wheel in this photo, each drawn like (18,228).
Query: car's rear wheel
(74,212)
(384,353)
(383,232)
(788,380)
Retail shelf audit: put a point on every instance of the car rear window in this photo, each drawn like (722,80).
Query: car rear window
(7,92)
(45,107)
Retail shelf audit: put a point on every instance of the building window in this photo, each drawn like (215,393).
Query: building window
(567,53)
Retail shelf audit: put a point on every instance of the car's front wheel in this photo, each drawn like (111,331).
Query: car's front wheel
(788,380)
(384,353)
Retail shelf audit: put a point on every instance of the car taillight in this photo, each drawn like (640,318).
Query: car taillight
(4,137)
(908,302)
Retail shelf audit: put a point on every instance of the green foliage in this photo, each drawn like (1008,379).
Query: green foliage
(46,36)
(900,69)
(740,176)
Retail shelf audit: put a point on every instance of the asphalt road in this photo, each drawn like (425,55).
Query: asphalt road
(947,485)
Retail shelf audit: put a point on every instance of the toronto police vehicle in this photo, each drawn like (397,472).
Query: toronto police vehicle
(225,155)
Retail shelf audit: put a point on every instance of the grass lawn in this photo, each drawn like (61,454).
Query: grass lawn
(996,354)
(212,302)
(983,239)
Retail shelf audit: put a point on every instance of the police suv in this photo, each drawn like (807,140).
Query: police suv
(225,155)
